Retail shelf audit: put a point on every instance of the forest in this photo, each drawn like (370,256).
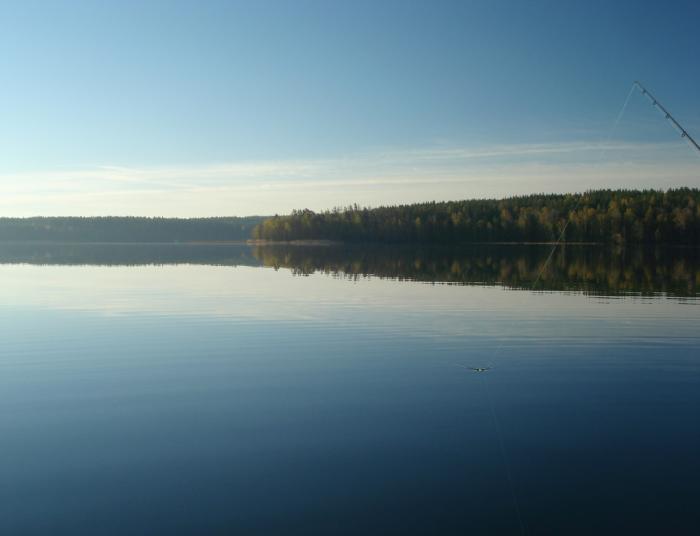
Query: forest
(601,216)
(126,229)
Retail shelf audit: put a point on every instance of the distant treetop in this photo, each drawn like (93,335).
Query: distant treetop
(600,216)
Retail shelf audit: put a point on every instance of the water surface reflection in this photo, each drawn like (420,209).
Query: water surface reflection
(590,269)
(172,389)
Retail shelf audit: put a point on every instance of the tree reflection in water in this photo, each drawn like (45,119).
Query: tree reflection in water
(592,269)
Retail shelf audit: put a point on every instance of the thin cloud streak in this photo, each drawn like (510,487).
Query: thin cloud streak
(388,177)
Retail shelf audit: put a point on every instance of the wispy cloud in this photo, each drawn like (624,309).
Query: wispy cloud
(373,178)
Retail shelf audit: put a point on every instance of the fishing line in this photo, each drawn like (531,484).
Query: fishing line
(560,238)
(504,456)
(616,122)
(497,425)
(502,447)
(603,150)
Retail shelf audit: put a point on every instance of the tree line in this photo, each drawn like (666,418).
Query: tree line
(127,254)
(601,216)
(126,229)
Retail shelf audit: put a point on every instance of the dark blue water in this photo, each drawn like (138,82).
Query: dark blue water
(220,400)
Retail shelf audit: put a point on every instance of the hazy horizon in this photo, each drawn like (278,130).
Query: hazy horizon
(344,207)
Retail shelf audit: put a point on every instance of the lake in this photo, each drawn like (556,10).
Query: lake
(174,389)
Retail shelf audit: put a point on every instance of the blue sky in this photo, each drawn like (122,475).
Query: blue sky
(224,108)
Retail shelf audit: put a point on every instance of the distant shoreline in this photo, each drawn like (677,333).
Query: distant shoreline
(616,218)
(613,217)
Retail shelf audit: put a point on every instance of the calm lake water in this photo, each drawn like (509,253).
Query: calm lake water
(233,390)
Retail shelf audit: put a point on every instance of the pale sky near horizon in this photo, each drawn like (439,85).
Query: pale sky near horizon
(259,107)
